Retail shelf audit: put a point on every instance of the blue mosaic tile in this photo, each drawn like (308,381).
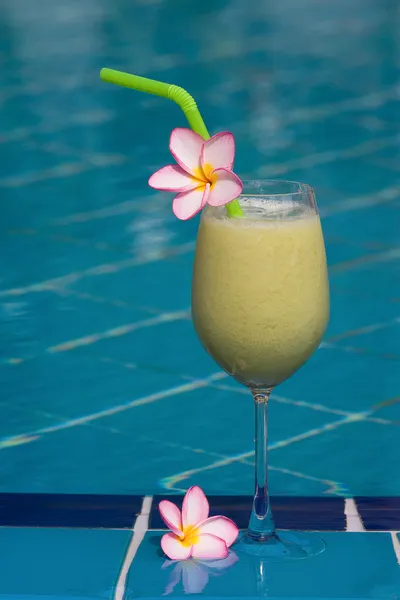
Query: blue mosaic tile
(346,369)
(162,289)
(314,514)
(43,322)
(43,388)
(99,457)
(170,346)
(379,514)
(378,222)
(198,416)
(353,566)
(383,336)
(63,563)
(342,453)
(71,510)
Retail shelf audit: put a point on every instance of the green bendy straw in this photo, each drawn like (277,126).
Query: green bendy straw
(176,94)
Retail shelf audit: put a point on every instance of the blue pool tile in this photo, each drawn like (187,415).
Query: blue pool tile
(118,511)
(356,278)
(94,458)
(49,258)
(31,158)
(383,338)
(171,346)
(90,181)
(70,510)
(373,224)
(226,437)
(44,387)
(314,514)
(163,285)
(63,562)
(40,322)
(379,514)
(338,251)
(139,224)
(336,379)
(353,177)
(353,566)
(389,410)
(345,318)
(348,453)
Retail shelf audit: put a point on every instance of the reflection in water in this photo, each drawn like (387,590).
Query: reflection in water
(196,573)
(261,577)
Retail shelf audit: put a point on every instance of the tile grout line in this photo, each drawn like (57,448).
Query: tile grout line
(25,438)
(54,283)
(140,528)
(48,285)
(396,545)
(354,521)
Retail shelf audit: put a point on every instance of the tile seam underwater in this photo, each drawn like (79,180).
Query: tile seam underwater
(117,266)
(55,283)
(170,481)
(140,529)
(120,330)
(25,438)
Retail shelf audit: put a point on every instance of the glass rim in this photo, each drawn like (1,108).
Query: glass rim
(303,188)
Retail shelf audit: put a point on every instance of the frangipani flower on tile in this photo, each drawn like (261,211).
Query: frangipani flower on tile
(203,173)
(193,532)
(195,573)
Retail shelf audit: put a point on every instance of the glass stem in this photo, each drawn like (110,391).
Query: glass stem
(261,527)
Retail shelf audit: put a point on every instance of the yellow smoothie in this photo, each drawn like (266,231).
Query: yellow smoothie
(260,296)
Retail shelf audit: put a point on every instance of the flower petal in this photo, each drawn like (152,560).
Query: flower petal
(185,146)
(174,548)
(226,187)
(195,507)
(194,577)
(172,178)
(219,151)
(171,515)
(187,204)
(210,547)
(221,527)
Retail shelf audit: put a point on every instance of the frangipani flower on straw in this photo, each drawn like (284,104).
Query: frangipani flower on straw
(203,173)
(193,532)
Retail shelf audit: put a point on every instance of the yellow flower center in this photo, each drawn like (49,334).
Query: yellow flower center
(207,170)
(204,174)
(192,536)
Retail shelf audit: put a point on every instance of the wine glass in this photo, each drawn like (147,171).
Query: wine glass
(260,305)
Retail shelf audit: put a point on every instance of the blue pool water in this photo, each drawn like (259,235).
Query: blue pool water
(105,388)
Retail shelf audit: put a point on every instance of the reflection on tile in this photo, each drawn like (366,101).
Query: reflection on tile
(62,562)
(353,566)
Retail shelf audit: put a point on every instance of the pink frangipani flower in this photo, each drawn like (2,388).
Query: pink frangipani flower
(203,173)
(193,532)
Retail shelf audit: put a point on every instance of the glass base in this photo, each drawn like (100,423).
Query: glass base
(283,545)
